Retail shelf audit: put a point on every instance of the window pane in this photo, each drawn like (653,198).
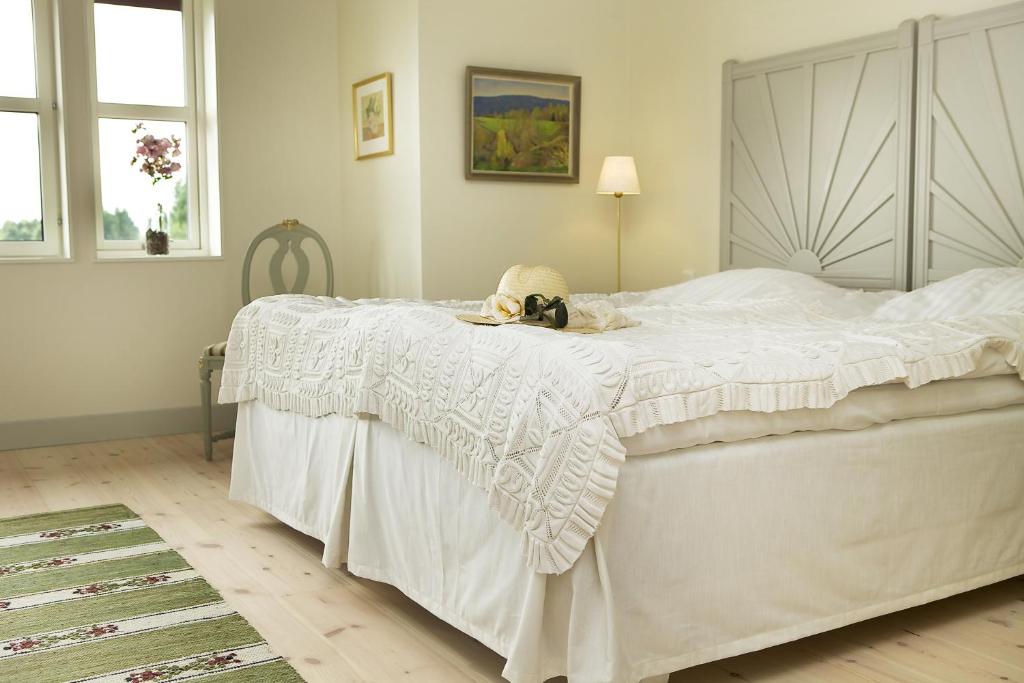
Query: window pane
(17,49)
(140,56)
(21,213)
(131,200)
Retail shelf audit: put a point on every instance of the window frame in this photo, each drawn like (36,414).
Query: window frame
(198,242)
(47,107)
(68,111)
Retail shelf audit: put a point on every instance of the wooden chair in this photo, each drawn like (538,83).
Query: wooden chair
(289,234)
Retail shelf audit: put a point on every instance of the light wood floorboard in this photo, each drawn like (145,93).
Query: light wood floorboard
(335,627)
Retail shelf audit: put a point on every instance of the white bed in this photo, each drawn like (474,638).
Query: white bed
(727,533)
(765,457)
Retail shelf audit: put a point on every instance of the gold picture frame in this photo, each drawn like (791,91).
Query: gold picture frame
(373,128)
(522,125)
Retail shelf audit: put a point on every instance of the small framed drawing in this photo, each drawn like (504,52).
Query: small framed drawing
(522,125)
(371,117)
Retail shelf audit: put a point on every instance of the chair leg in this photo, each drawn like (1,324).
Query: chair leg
(207,410)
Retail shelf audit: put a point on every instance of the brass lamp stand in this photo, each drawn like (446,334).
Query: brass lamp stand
(618,241)
(618,178)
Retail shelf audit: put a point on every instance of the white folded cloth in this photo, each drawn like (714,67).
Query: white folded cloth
(599,315)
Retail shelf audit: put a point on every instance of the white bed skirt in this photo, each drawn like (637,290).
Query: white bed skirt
(705,553)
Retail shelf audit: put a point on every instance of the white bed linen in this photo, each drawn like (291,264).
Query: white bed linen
(536,417)
(862,408)
(760,542)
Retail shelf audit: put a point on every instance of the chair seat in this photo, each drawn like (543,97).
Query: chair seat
(216,349)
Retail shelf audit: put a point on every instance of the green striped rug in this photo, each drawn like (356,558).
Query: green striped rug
(96,595)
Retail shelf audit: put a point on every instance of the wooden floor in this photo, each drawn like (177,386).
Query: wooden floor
(335,627)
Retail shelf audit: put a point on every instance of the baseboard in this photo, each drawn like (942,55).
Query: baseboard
(85,428)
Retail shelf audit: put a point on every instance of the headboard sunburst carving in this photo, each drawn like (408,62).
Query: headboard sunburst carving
(815,161)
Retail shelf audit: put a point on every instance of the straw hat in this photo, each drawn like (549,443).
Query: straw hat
(520,281)
(515,285)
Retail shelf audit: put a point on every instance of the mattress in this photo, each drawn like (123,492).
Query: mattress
(862,408)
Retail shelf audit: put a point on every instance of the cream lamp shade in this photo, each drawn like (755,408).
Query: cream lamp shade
(618,177)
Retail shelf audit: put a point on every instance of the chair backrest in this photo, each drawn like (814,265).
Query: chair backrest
(289,234)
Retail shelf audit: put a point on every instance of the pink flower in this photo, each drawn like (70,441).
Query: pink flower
(156,154)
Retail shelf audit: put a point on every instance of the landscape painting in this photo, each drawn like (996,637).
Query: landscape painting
(522,125)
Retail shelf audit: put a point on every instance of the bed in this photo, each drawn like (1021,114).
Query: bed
(724,533)
(768,455)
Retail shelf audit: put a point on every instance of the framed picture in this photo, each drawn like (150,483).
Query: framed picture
(371,117)
(522,125)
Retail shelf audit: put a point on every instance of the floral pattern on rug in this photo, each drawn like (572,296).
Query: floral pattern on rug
(77,531)
(37,564)
(201,664)
(134,582)
(79,635)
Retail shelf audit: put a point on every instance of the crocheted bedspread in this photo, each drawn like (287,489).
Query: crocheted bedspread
(534,416)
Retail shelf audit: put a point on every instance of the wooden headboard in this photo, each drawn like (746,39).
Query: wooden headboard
(815,161)
(888,161)
(970,143)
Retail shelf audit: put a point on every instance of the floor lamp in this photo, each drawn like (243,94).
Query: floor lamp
(618,178)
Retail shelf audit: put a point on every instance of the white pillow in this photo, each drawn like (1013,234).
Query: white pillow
(769,283)
(976,292)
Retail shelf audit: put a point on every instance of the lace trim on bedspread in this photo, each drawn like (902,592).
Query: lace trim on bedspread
(534,416)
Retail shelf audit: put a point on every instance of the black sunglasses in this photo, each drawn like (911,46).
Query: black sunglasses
(552,311)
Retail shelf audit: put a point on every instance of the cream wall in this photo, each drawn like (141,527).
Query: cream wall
(381,196)
(88,338)
(677,48)
(473,230)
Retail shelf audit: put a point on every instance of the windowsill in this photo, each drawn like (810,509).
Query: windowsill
(136,257)
(26,260)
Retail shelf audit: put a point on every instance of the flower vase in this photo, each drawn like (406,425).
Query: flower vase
(158,242)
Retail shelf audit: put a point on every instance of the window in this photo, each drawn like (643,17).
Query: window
(136,113)
(150,94)
(30,195)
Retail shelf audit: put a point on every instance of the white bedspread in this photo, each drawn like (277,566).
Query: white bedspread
(535,416)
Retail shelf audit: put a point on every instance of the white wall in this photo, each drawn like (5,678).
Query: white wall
(381,196)
(88,338)
(473,230)
(677,49)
